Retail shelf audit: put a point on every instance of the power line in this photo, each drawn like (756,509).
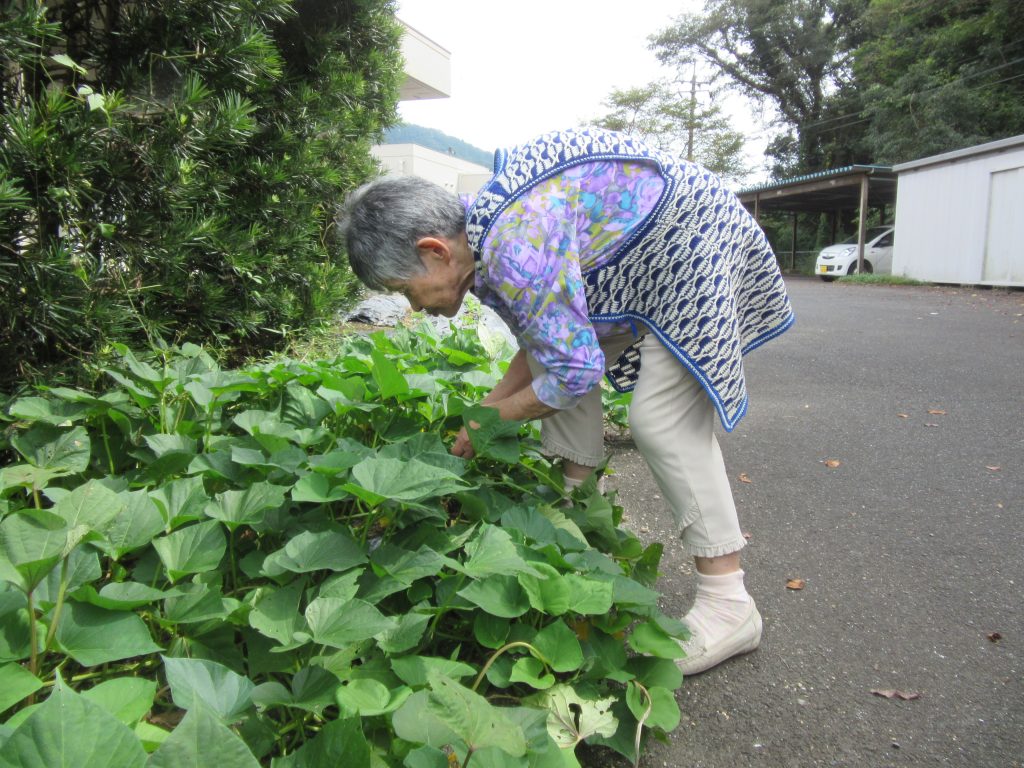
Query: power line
(903,10)
(924,91)
(908,96)
(772,71)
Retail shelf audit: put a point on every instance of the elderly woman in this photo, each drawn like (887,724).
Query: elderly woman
(604,256)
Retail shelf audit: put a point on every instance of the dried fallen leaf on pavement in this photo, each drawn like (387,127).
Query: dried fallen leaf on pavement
(936,412)
(747,536)
(994,637)
(903,415)
(892,694)
(795,583)
(744,479)
(928,424)
(832,463)
(994,469)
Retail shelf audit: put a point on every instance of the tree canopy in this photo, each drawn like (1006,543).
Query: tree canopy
(863,81)
(939,76)
(671,116)
(789,54)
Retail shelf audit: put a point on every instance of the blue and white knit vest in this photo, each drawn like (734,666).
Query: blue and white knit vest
(698,271)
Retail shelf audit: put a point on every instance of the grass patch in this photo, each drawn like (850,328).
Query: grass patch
(872,279)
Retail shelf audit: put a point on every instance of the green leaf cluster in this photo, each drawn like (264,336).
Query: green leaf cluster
(284,565)
(171,170)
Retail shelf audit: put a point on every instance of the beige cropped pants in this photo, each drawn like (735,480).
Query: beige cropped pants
(672,420)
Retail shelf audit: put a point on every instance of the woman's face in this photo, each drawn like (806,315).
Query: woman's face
(440,289)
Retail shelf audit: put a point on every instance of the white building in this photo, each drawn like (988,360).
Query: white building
(428,67)
(452,173)
(960,216)
(428,75)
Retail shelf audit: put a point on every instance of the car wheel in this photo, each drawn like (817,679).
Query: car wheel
(868,269)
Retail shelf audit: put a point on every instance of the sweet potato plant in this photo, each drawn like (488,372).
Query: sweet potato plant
(284,566)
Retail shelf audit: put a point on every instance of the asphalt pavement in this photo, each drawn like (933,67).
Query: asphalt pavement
(882,463)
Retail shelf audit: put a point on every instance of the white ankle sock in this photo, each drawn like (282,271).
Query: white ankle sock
(721,604)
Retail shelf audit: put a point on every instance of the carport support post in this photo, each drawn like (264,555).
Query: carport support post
(792,246)
(862,228)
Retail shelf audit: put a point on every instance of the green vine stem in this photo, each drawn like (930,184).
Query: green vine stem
(208,429)
(163,411)
(443,609)
(106,445)
(58,606)
(371,517)
(231,553)
(511,484)
(149,664)
(33,661)
(640,723)
(497,653)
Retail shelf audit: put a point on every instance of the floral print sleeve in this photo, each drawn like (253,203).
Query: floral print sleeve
(535,254)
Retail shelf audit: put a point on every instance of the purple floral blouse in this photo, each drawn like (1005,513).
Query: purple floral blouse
(535,253)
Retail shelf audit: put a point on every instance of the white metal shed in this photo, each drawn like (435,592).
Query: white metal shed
(960,216)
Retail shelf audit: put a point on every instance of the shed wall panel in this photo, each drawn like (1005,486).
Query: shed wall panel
(1004,246)
(943,217)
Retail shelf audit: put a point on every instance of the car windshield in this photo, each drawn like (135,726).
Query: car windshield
(871,234)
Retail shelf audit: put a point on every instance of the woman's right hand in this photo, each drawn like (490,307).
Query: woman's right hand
(462,446)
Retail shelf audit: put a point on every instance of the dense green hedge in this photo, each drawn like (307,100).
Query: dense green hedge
(170,168)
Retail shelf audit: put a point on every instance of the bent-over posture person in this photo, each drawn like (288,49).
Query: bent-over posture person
(604,256)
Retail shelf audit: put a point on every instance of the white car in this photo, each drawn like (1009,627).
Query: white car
(841,259)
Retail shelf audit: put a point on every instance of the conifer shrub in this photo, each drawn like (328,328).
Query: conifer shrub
(169,170)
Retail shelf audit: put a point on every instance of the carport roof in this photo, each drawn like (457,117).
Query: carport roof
(825,191)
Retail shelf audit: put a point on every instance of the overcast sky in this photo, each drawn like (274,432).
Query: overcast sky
(529,66)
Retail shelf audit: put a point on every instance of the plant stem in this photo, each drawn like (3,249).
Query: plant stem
(57,669)
(209,426)
(33,663)
(231,553)
(443,609)
(640,723)
(179,413)
(370,518)
(496,654)
(508,481)
(59,606)
(106,445)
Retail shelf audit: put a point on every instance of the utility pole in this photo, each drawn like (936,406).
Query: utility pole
(693,114)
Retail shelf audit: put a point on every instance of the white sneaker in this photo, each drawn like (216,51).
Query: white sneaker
(744,639)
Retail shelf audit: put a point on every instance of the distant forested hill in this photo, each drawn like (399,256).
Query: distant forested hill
(434,139)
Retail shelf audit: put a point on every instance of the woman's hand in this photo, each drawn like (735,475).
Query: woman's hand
(463,447)
(513,398)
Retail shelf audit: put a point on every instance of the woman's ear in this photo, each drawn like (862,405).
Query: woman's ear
(434,247)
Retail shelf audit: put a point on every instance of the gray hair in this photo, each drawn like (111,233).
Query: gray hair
(381,222)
